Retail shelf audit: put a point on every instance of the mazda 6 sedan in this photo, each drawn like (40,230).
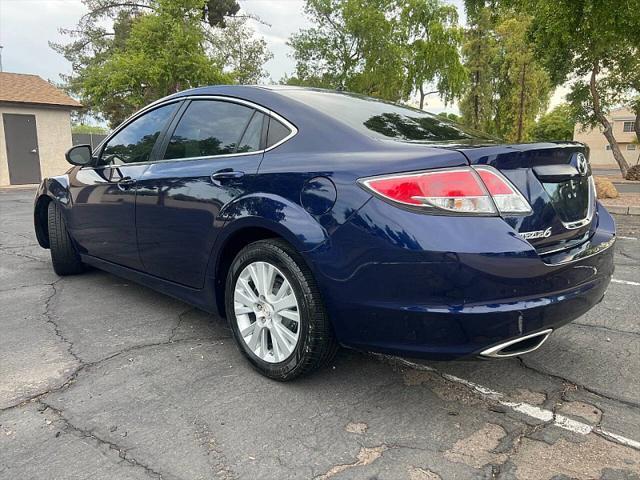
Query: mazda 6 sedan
(312,219)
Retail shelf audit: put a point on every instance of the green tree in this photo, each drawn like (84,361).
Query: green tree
(558,124)
(508,87)
(242,55)
(478,51)
(385,48)
(327,55)
(84,128)
(595,42)
(523,85)
(156,47)
(433,41)
(451,116)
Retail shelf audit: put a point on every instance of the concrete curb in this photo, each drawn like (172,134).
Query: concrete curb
(620,210)
(13,188)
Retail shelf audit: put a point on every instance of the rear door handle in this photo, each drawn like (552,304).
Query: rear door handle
(125,182)
(226,174)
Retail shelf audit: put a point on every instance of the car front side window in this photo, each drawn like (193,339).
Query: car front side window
(209,128)
(135,142)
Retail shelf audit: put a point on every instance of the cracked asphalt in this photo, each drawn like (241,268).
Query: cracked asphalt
(104,379)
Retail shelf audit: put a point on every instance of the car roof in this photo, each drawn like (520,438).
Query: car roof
(251,92)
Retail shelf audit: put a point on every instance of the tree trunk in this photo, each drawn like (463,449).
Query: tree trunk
(521,106)
(606,125)
(424,95)
(476,101)
(636,127)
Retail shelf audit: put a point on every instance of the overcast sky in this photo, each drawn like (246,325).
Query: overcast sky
(26,27)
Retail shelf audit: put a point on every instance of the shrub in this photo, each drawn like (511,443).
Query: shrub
(633,173)
(605,188)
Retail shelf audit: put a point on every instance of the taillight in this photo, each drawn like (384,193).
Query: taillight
(507,198)
(461,190)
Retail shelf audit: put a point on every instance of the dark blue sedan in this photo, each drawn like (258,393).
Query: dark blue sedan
(313,218)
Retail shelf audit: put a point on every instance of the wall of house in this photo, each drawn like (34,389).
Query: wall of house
(53,126)
(600,156)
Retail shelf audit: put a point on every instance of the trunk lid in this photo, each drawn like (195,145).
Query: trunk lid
(556,180)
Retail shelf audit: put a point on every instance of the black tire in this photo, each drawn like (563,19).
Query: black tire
(64,257)
(317,344)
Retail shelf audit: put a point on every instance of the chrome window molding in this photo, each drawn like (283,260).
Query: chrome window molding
(292,128)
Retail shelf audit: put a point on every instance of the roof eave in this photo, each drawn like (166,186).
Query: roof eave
(42,104)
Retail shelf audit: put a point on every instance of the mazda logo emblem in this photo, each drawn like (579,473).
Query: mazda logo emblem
(582,164)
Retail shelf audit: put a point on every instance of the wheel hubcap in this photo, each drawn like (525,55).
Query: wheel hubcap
(266,311)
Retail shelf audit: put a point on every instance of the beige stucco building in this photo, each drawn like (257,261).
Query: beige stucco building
(35,129)
(601,156)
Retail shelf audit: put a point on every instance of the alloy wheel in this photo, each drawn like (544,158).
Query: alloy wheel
(266,311)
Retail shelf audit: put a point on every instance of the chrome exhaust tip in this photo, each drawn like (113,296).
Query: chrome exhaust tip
(518,346)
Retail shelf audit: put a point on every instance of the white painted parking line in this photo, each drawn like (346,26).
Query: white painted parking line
(532,411)
(626,238)
(625,282)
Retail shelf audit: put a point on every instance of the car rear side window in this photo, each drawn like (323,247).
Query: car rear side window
(134,143)
(380,119)
(209,128)
(277,132)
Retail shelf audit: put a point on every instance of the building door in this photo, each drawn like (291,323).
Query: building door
(22,148)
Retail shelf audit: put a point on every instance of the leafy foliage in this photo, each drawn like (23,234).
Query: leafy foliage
(384,48)
(596,43)
(157,47)
(508,87)
(558,124)
(451,116)
(479,50)
(242,55)
(84,128)
(432,53)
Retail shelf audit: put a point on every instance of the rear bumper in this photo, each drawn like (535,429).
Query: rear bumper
(449,287)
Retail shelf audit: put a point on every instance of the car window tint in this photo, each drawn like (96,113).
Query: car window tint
(251,139)
(277,131)
(208,128)
(134,143)
(381,119)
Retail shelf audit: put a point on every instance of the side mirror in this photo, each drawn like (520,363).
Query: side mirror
(79,155)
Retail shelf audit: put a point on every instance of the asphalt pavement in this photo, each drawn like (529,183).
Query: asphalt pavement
(104,379)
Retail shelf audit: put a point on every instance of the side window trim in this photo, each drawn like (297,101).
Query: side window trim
(180,113)
(170,130)
(129,121)
(185,101)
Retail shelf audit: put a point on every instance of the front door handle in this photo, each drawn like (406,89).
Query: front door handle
(226,174)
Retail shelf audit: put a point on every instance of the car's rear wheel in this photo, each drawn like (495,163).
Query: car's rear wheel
(276,313)
(64,257)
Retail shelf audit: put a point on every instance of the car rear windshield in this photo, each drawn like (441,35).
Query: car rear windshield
(382,119)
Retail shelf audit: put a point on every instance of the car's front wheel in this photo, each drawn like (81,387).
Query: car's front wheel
(276,313)
(64,257)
